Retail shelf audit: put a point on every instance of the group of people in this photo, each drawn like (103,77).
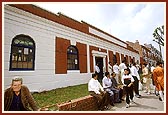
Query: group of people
(123,81)
(108,91)
(154,77)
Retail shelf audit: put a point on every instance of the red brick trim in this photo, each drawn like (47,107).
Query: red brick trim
(61,55)
(87,103)
(82,50)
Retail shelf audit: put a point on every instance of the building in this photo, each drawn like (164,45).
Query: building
(154,54)
(148,54)
(52,50)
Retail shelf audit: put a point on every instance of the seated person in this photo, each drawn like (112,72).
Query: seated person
(107,85)
(115,86)
(18,97)
(97,91)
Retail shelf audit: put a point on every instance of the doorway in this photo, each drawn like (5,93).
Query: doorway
(100,61)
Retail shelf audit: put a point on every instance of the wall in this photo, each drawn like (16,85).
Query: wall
(87,103)
(45,34)
(51,40)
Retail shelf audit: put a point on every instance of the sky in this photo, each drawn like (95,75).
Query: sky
(127,21)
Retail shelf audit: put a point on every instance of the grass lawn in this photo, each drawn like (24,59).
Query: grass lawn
(47,98)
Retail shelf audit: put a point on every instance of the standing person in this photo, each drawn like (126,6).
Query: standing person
(147,79)
(158,76)
(116,70)
(155,88)
(122,66)
(97,71)
(96,90)
(18,97)
(116,86)
(135,75)
(128,80)
(138,68)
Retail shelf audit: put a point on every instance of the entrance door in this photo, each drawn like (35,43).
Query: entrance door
(100,61)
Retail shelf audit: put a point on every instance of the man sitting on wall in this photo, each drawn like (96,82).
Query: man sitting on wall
(107,85)
(18,97)
(96,90)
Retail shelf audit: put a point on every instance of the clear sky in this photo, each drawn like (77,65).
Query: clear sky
(127,21)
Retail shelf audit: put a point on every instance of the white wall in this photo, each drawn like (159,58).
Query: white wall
(44,33)
(43,77)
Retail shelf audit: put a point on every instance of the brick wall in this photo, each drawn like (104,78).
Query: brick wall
(87,103)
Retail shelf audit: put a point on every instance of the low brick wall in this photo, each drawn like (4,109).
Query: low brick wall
(87,103)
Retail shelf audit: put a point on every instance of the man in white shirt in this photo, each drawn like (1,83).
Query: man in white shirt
(97,71)
(95,89)
(122,66)
(107,85)
(116,71)
(135,75)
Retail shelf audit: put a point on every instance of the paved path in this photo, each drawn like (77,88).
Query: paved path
(147,103)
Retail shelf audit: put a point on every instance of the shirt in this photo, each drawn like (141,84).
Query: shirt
(122,66)
(152,68)
(116,69)
(17,103)
(95,86)
(134,72)
(129,77)
(145,71)
(106,82)
(97,69)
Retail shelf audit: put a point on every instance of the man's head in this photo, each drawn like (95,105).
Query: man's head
(113,74)
(144,65)
(127,71)
(107,74)
(94,75)
(16,84)
(159,63)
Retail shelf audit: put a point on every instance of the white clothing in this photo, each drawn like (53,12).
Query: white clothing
(95,86)
(97,69)
(122,66)
(116,69)
(138,66)
(134,72)
(126,77)
(106,82)
(152,68)
(145,71)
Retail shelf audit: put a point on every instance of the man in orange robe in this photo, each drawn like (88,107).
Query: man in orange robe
(158,77)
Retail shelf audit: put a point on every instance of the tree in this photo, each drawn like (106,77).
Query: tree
(159,37)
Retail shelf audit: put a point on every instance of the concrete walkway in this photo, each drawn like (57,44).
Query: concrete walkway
(147,103)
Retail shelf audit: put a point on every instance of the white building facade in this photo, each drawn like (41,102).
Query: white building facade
(49,53)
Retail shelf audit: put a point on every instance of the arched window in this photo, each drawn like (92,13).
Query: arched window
(22,55)
(72,58)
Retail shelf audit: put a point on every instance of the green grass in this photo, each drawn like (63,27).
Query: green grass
(60,95)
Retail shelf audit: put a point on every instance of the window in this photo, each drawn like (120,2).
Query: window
(22,53)
(72,58)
